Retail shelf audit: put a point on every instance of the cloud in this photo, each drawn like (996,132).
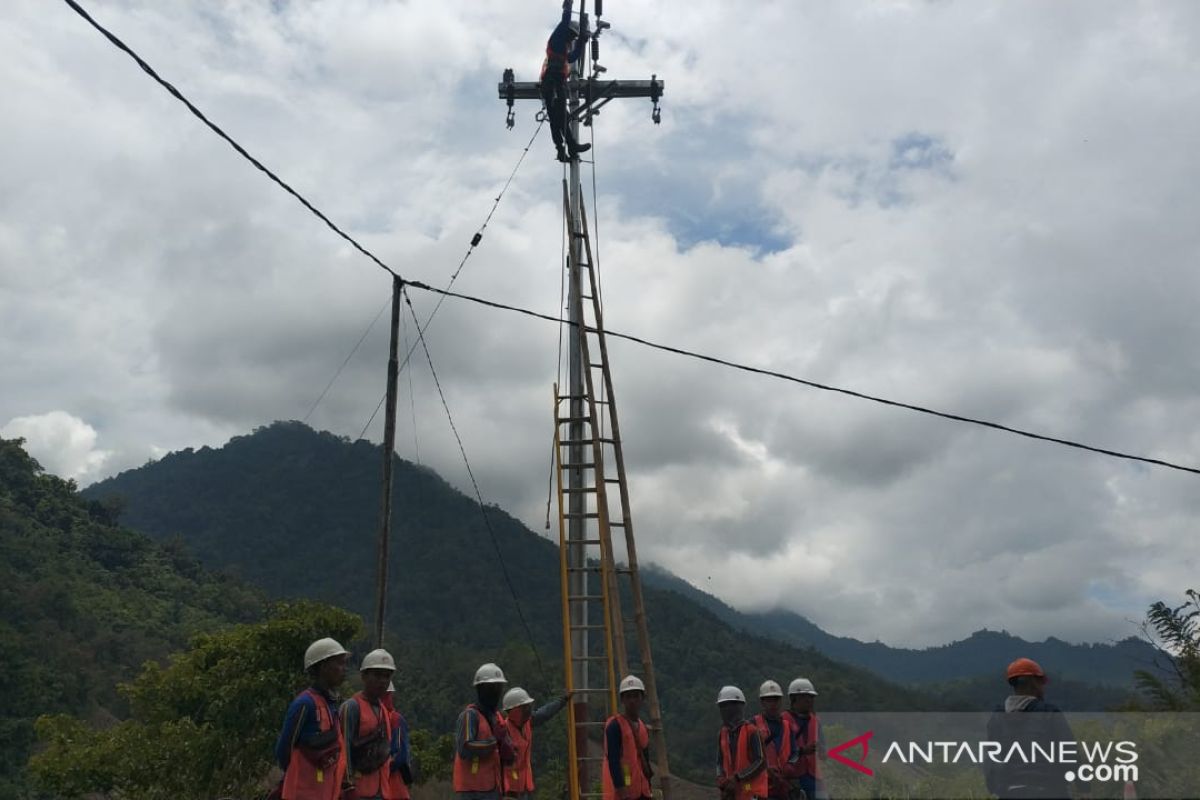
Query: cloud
(62,443)
(983,208)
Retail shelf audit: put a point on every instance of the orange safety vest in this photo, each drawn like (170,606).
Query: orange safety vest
(632,744)
(806,764)
(518,777)
(377,783)
(481,773)
(557,62)
(303,780)
(398,786)
(733,763)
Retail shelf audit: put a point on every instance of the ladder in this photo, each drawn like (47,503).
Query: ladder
(587,446)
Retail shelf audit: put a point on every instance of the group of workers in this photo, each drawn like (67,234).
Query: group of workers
(359,749)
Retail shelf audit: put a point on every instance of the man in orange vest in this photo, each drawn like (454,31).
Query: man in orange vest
(776,731)
(808,742)
(310,750)
(563,48)
(521,718)
(626,772)
(481,745)
(367,729)
(741,764)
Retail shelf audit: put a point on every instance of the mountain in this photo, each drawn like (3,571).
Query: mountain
(293,511)
(83,603)
(980,655)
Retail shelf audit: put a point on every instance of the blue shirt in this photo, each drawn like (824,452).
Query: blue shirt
(558,39)
(300,724)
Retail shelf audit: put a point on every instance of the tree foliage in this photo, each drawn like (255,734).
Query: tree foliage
(201,726)
(1173,684)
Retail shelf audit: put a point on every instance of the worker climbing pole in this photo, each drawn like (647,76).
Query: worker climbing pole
(593,495)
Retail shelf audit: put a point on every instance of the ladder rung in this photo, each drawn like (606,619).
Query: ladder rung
(600,690)
(589,658)
(574,442)
(612,480)
(596,365)
(584,598)
(584,515)
(583,569)
(566,420)
(588,627)
(581,465)
(596,542)
(580,490)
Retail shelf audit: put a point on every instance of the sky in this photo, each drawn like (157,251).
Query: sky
(989,208)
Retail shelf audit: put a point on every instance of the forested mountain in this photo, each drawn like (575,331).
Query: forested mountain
(83,603)
(294,512)
(978,656)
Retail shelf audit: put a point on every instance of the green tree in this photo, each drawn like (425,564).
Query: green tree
(1174,682)
(200,727)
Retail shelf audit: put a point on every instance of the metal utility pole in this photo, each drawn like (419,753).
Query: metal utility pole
(389,449)
(581,414)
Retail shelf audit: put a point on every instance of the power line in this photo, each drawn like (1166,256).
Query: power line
(475,485)
(822,386)
(628,337)
(178,95)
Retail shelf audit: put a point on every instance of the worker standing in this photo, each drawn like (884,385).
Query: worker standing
(626,772)
(401,773)
(1028,720)
(741,764)
(563,48)
(808,741)
(481,745)
(367,730)
(520,718)
(777,734)
(310,749)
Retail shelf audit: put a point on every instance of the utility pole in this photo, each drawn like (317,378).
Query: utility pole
(389,449)
(588,93)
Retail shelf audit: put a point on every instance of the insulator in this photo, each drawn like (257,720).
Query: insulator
(599,8)
(595,49)
(476,239)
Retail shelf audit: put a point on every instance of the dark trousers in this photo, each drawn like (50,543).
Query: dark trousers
(554,94)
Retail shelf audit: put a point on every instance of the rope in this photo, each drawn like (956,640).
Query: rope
(475,486)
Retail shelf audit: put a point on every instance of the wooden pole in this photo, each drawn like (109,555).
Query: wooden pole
(389,449)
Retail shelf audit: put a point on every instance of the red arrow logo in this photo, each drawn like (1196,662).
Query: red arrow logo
(860,764)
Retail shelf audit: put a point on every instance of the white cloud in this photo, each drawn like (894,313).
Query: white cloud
(987,208)
(62,443)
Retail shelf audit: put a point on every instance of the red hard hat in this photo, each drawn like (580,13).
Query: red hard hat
(1024,667)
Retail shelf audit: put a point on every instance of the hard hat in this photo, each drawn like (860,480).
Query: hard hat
(378,659)
(769,689)
(514,697)
(730,694)
(573,25)
(1024,667)
(801,686)
(632,683)
(320,650)
(489,673)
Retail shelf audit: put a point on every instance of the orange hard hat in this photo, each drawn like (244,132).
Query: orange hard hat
(1024,667)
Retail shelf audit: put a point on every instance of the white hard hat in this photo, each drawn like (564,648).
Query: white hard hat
(769,689)
(378,659)
(730,694)
(489,673)
(320,650)
(514,697)
(632,683)
(801,686)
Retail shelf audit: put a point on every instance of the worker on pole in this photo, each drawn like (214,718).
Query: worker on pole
(563,48)
(311,750)
(401,774)
(626,772)
(741,762)
(1028,720)
(808,741)
(776,731)
(481,745)
(367,730)
(521,718)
